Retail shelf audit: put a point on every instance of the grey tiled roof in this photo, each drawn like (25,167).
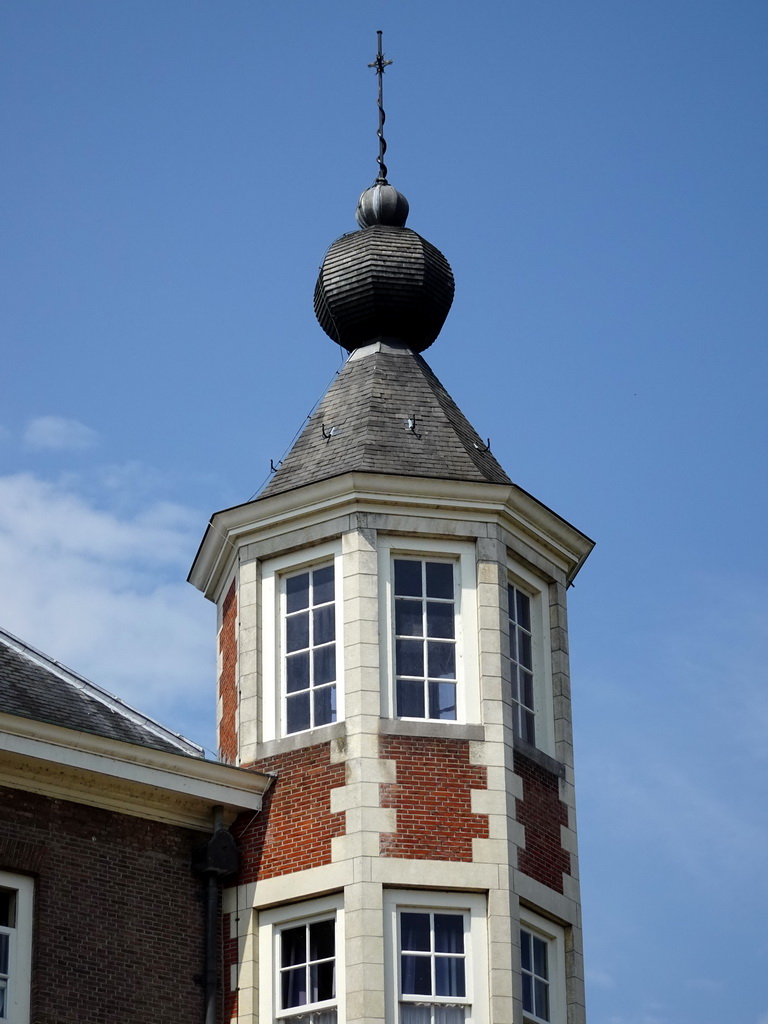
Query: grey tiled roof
(35,687)
(366,411)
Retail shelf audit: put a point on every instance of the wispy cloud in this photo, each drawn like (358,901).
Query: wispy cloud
(57,433)
(105,593)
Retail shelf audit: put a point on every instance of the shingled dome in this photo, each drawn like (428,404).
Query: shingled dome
(384,281)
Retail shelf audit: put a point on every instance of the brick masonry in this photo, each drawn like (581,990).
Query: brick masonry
(432,799)
(541,812)
(110,890)
(295,827)
(228,678)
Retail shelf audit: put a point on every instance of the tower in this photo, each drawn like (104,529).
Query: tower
(393,647)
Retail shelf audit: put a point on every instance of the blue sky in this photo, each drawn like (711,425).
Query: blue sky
(595,173)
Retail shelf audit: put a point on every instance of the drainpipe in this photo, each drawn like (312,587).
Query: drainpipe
(214,860)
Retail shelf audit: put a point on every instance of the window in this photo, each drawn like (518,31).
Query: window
(530,660)
(542,970)
(436,965)
(521,663)
(309,648)
(301,963)
(425,638)
(15,947)
(433,979)
(307,971)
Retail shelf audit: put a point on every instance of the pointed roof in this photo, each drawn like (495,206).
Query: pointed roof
(36,687)
(363,424)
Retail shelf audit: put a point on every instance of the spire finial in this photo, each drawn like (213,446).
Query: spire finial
(379,64)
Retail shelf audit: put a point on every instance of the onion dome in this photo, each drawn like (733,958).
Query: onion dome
(384,281)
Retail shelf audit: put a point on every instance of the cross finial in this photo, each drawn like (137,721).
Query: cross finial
(379,64)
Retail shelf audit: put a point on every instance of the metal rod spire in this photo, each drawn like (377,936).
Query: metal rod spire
(379,64)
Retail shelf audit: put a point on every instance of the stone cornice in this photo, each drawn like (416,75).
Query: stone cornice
(123,777)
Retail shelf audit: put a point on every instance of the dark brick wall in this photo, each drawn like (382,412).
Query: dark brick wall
(541,812)
(228,678)
(118,930)
(432,799)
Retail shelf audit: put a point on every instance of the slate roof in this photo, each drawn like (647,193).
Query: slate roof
(33,686)
(366,411)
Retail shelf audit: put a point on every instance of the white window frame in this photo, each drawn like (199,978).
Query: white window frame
(537,591)
(554,936)
(462,554)
(271,924)
(473,906)
(20,948)
(274,572)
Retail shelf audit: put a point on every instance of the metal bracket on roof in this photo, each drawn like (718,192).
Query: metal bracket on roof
(328,434)
(411,425)
(484,448)
(273,467)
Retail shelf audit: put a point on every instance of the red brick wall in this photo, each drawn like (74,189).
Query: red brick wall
(432,799)
(228,677)
(118,929)
(295,826)
(541,812)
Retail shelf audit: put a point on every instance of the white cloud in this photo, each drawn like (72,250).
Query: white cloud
(57,433)
(105,594)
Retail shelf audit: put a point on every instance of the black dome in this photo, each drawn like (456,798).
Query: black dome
(383,281)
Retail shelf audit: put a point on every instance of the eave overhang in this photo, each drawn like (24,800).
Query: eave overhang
(507,504)
(141,781)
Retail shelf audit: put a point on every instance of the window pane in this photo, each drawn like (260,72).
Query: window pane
(294,987)
(416,975)
(527,993)
(442,701)
(6,908)
(408,618)
(524,655)
(4,947)
(409,658)
(440,619)
(293,946)
(322,940)
(298,712)
(442,660)
(449,1015)
(513,643)
(410,698)
(449,976)
(541,998)
(413,1014)
(297,671)
(325,705)
(523,606)
(414,931)
(540,958)
(525,950)
(324,659)
(322,584)
(324,624)
(526,688)
(449,933)
(297,592)
(527,727)
(440,579)
(407,578)
(297,631)
(322,981)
